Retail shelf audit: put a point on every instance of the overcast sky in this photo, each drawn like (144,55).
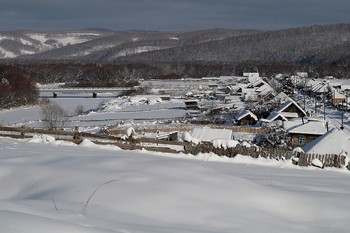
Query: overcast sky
(169,15)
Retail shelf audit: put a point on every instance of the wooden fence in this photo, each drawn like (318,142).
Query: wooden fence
(254,152)
(75,136)
(329,160)
(240,129)
(150,130)
(251,130)
(149,144)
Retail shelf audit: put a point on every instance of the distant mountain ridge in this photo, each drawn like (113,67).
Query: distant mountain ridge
(14,44)
(315,44)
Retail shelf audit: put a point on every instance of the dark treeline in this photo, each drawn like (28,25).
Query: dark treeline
(17,80)
(16,89)
(100,74)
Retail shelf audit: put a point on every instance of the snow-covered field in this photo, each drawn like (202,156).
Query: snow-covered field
(44,187)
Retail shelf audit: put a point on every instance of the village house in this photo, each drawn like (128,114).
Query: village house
(273,117)
(317,87)
(320,89)
(245,117)
(288,111)
(322,144)
(233,90)
(304,133)
(291,107)
(338,98)
(257,90)
(192,105)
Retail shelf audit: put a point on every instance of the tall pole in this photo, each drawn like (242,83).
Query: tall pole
(324,106)
(304,98)
(315,103)
(342,115)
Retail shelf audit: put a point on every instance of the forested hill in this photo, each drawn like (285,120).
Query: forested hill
(318,44)
(314,44)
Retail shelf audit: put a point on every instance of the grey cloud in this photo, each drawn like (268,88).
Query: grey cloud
(170,14)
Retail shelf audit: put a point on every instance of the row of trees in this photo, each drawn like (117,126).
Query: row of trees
(126,74)
(17,89)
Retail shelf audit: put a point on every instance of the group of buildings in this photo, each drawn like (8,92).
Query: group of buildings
(295,117)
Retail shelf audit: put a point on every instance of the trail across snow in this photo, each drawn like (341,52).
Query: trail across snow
(44,187)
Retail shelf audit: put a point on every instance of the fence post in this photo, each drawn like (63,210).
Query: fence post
(303,160)
(77,137)
(23,131)
(336,161)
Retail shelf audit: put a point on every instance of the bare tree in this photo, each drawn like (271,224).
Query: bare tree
(79,110)
(54,117)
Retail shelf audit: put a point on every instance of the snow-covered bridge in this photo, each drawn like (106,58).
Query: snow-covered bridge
(75,90)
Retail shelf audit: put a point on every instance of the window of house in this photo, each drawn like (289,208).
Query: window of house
(302,140)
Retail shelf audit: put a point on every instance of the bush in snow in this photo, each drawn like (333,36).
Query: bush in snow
(130,132)
(42,138)
(87,143)
(298,150)
(224,143)
(187,137)
(279,138)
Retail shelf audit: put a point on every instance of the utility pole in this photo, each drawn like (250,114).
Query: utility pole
(315,103)
(304,98)
(324,106)
(342,115)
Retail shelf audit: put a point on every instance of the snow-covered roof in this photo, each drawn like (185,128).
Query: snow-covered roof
(292,123)
(257,82)
(320,87)
(284,115)
(264,89)
(333,142)
(273,116)
(345,87)
(252,76)
(209,134)
(245,113)
(235,101)
(311,128)
(287,104)
(289,114)
(234,87)
(281,97)
(258,88)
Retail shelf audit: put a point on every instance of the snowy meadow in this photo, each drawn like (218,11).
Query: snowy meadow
(46,183)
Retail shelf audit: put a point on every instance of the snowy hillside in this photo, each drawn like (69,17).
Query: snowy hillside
(219,45)
(44,187)
(14,44)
